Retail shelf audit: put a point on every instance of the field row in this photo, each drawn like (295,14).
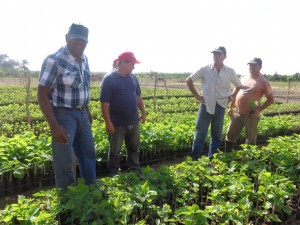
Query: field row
(15,119)
(17,94)
(29,155)
(251,186)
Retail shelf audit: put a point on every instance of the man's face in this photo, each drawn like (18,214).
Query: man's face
(219,57)
(76,46)
(129,66)
(254,68)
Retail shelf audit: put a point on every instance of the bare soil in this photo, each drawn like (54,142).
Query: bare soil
(281,94)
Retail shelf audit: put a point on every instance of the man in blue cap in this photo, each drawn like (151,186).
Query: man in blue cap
(63,96)
(245,111)
(216,94)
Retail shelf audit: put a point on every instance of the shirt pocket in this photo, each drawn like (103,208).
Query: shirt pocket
(71,79)
(223,82)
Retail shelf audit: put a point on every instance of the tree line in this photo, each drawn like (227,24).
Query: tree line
(14,68)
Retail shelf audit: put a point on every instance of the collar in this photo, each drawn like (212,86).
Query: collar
(211,66)
(72,58)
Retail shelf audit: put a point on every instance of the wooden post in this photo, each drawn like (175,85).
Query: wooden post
(156,84)
(288,93)
(27,84)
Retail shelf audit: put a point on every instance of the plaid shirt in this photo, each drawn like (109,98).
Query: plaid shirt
(69,82)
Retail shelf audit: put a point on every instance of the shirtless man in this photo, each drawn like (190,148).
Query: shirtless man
(248,105)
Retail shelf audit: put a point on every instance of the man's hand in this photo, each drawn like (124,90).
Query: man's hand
(60,134)
(230,112)
(143,118)
(256,113)
(110,128)
(200,99)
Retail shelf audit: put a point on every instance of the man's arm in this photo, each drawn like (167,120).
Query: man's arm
(142,109)
(269,95)
(57,131)
(270,100)
(232,96)
(232,99)
(192,88)
(235,91)
(89,114)
(105,112)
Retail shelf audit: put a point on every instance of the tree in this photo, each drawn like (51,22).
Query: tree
(9,67)
(3,58)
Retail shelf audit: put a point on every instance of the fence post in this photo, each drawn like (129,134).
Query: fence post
(288,93)
(156,84)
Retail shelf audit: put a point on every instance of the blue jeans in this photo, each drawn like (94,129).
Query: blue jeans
(203,121)
(131,135)
(81,140)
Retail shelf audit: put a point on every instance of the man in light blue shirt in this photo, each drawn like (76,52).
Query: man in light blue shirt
(216,94)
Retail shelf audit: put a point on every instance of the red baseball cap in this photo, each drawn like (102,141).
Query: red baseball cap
(128,56)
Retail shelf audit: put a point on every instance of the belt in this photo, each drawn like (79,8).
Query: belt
(78,108)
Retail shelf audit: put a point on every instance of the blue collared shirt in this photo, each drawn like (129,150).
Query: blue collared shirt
(121,93)
(69,82)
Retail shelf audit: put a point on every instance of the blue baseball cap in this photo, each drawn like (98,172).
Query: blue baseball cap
(255,60)
(78,31)
(220,49)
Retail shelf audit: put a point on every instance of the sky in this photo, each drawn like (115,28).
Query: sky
(166,36)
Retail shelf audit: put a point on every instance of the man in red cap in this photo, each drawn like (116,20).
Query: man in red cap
(120,99)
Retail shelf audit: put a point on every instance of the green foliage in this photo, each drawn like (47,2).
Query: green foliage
(250,186)
(283,78)
(163,133)
(24,152)
(39,210)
